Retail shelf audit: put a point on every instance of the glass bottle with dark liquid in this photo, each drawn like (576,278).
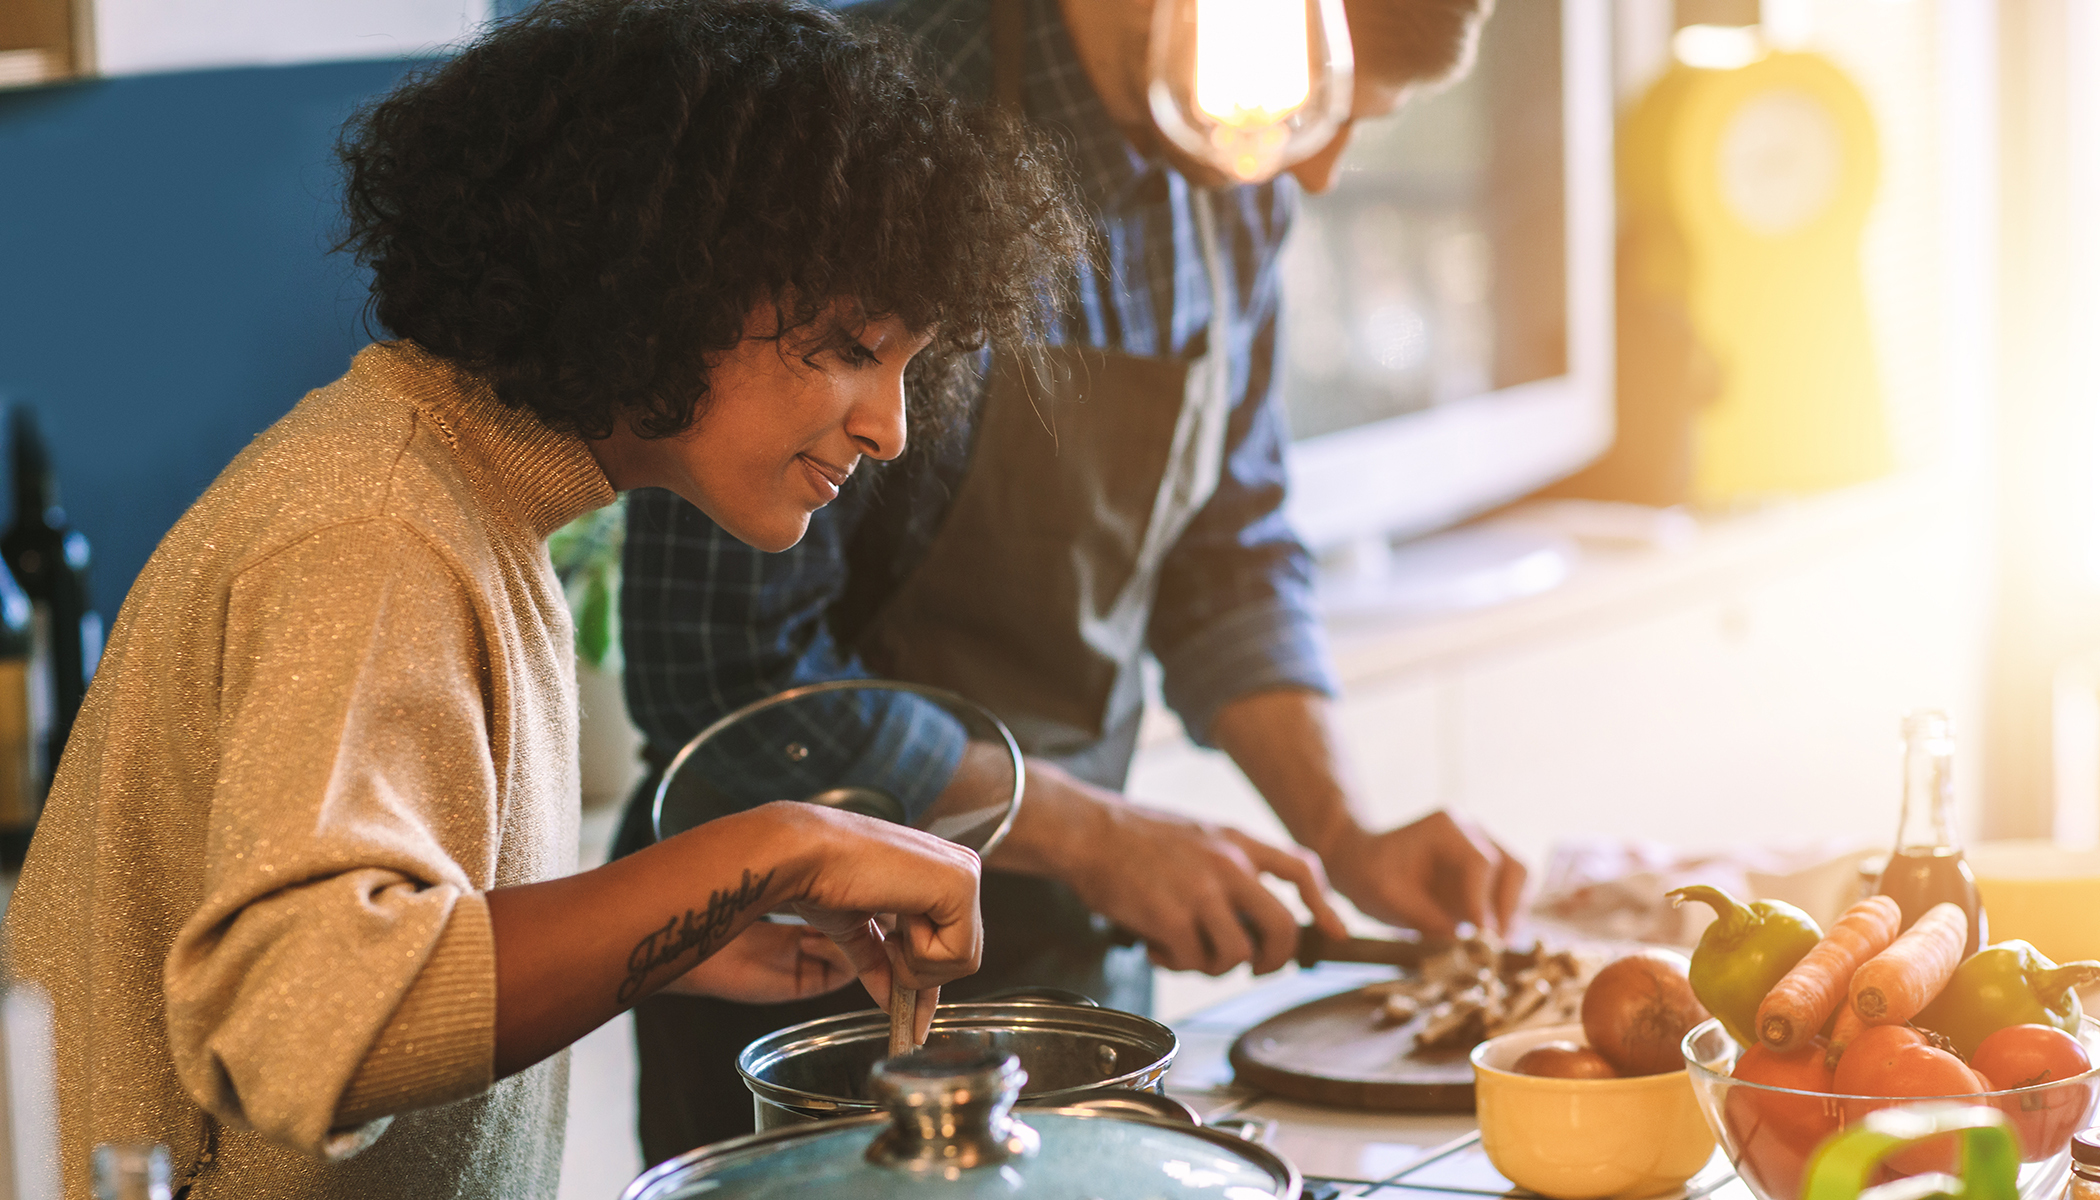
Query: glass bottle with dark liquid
(1927,867)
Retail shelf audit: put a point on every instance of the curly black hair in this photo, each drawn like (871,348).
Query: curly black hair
(591,199)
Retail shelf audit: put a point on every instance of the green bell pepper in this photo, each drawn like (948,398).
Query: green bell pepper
(1743,953)
(2011,983)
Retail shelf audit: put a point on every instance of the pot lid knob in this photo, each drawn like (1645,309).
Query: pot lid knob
(951,1110)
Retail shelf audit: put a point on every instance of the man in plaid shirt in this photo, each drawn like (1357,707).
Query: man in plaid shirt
(710,624)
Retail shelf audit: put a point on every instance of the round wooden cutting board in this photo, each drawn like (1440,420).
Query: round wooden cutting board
(1334,1051)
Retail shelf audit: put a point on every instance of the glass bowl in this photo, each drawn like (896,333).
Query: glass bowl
(1768,1132)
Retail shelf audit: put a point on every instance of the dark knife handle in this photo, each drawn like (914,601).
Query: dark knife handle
(1316,947)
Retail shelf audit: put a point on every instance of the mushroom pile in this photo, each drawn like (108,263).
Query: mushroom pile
(1478,989)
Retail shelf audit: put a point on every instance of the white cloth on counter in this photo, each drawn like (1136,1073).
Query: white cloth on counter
(1614,889)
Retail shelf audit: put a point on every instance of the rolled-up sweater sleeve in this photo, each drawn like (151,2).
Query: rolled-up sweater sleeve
(340,967)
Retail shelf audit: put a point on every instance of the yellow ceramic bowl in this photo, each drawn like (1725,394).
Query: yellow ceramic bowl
(1583,1139)
(2041,894)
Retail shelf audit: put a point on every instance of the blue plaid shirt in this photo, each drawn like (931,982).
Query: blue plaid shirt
(710,623)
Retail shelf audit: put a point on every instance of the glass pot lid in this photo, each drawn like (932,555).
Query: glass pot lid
(902,752)
(1066,1051)
(951,1133)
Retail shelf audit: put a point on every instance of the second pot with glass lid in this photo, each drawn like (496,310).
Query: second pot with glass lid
(951,1131)
(821,1069)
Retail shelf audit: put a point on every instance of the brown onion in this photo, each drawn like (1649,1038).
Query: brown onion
(1638,1009)
(1564,1060)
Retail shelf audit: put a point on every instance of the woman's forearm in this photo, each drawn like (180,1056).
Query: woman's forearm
(574,952)
(571,953)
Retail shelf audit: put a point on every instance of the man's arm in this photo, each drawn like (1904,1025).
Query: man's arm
(1237,632)
(709,624)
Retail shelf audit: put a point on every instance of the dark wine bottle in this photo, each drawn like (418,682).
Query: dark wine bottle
(25,722)
(1927,867)
(50,562)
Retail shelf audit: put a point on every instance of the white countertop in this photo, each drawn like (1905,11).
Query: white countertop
(1386,1155)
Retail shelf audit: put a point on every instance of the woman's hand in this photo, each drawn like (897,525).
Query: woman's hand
(773,963)
(931,886)
(572,952)
(769,964)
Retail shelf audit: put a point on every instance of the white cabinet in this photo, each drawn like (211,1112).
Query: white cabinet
(137,36)
(1746,690)
(1765,714)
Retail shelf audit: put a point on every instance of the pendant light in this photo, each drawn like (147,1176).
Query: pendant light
(1250,86)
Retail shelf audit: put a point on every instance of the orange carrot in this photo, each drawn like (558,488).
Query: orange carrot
(1842,1031)
(1891,987)
(1799,1003)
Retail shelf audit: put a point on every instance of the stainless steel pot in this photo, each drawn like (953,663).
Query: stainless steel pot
(952,1132)
(820,1068)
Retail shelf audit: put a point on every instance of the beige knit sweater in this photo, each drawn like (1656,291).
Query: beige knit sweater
(338,706)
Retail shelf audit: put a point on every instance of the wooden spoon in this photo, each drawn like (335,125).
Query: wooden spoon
(904,1013)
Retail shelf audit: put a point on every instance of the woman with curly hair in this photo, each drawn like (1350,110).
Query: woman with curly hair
(303,895)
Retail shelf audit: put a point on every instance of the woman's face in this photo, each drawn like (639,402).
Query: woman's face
(786,421)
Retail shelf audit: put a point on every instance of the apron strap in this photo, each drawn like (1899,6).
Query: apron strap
(1009,45)
(1213,266)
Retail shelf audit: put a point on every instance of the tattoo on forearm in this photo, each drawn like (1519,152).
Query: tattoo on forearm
(705,928)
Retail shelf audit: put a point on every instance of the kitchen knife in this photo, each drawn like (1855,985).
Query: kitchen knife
(1316,947)
(1405,953)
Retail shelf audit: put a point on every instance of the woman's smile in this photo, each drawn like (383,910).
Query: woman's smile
(834,392)
(825,477)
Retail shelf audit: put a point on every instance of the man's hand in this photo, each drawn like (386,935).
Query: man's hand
(1191,890)
(1430,875)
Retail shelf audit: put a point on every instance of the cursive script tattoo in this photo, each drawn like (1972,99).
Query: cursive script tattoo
(705,928)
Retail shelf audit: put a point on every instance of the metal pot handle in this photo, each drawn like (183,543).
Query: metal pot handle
(1259,1130)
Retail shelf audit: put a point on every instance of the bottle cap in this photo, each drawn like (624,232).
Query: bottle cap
(2085,1148)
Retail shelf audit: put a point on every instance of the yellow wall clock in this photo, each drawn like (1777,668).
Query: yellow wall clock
(1746,191)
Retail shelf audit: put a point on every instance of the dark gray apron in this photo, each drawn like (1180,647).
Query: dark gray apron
(1034,597)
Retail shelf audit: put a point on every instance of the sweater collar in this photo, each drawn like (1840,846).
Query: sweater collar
(548,474)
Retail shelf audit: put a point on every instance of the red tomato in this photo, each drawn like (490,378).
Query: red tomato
(1874,1043)
(1773,1133)
(1897,1063)
(2024,1056)
(2019,1056)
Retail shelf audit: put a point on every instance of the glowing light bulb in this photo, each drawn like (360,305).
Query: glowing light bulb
(1251,60)
(1250,86)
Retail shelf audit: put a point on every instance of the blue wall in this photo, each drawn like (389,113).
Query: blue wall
(166,289)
